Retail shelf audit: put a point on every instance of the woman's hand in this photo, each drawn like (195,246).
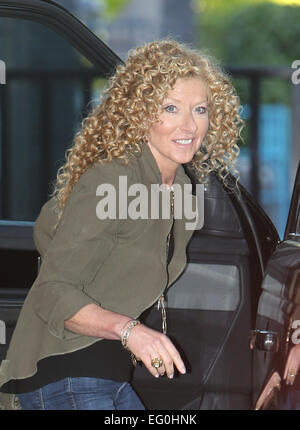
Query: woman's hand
(268,391)
(292,365)
(147,344)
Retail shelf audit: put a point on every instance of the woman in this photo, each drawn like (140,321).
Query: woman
(166,107)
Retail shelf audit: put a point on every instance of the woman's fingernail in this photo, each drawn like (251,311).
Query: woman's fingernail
(157,375)
(171,376)
(183,370)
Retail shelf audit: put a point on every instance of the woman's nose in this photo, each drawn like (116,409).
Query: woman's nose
(188,123)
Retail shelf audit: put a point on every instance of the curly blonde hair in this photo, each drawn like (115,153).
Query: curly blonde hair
(118,125)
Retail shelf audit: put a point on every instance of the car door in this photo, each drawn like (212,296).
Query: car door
(212,306)
(278,313)
(54,67)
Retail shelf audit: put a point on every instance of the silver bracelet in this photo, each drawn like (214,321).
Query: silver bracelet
(125,334)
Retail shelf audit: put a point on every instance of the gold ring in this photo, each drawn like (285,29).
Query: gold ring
(157,362)
(292,374)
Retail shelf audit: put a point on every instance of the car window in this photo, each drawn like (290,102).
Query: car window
(49,88)
(292,230)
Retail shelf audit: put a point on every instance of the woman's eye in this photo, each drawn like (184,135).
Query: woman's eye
(170,108)
(201,109)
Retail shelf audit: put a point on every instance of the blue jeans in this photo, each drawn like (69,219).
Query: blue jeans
(291,400)
(82,393)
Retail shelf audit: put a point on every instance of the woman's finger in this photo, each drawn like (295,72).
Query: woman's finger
(176,358)
(269,390)
(167,362)
(170,356)
(155,371)
(290,372)
(291,377)
(158,363)
(151,369)
(149,344)
(292,365)
(288,364)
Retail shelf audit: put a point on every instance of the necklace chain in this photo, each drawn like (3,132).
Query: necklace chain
(161,300)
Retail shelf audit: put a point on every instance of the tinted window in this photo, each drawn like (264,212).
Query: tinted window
(48,87)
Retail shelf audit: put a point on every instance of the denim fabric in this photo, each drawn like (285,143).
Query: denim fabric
(291,400)
(81,394)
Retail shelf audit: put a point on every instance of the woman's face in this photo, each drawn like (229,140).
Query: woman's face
(183,124)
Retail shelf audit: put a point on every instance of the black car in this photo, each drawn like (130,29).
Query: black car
(278,312)
(54,68)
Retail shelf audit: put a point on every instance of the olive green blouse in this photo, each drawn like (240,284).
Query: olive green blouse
(119,264)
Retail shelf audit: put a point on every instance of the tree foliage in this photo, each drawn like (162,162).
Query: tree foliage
(267,34)
(253,33)
(114,7)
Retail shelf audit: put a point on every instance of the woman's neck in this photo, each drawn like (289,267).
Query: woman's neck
(168,179)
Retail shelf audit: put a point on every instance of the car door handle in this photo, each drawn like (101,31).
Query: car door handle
(264,340)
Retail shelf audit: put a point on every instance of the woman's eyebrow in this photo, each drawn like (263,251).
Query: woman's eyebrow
(180,101)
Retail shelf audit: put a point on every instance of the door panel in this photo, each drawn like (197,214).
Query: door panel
(278,307)
(11,302)
(279,303)
(208,317)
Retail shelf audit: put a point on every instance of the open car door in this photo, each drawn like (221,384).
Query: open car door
(278,312)
(212,306)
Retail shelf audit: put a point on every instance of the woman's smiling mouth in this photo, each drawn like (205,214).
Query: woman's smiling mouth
(183,141)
